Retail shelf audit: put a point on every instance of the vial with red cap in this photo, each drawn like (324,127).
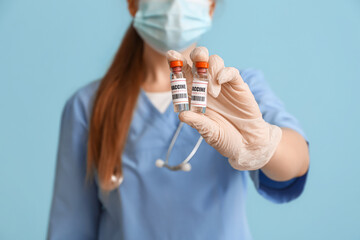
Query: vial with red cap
(199,87)
(178,87)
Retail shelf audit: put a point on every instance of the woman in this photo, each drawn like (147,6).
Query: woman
(112,131)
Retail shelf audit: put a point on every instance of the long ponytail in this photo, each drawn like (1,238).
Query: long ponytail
(113,109)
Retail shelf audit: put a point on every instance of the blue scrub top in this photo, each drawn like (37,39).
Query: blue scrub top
(206,203)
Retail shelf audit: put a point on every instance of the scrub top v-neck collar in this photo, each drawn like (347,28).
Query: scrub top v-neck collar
(151,105)
(149,112)
(161,100)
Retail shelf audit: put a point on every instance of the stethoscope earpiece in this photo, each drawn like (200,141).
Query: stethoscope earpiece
(185,165)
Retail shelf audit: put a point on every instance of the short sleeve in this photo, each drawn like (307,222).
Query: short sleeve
(273,112)
(75,206)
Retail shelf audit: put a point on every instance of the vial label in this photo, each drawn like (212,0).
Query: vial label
(179,91)
(198,93)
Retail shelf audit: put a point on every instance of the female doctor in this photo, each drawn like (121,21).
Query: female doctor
(107,185)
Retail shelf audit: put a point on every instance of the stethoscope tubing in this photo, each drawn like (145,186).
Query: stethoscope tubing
(185,165)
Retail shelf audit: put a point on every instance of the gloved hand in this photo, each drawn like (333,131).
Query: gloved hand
(233,123)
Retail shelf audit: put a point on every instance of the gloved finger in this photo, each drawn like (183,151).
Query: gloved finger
(236,94)
(207,127)
(230,75)
(216,63)
(199,54)
(173,55)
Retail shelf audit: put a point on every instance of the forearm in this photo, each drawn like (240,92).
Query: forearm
(291,158)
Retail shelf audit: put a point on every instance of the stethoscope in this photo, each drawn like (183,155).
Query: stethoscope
(185,165)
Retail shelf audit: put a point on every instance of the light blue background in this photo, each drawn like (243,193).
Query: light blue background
(309,51)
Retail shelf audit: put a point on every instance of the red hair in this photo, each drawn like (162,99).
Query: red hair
(113,109)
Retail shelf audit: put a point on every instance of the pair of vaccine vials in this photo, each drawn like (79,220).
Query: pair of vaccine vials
(198,90)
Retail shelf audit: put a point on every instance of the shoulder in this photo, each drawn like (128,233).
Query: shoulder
(252,76)
(255,80)
(79,104)
(251,73)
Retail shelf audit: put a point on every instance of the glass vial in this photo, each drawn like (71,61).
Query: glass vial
(199,87)
(178,87)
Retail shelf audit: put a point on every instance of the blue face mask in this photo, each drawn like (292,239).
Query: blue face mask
(172,24)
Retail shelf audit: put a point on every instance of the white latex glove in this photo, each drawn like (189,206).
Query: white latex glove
(233,123)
